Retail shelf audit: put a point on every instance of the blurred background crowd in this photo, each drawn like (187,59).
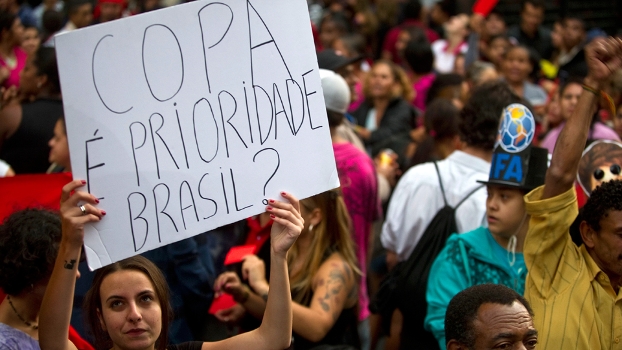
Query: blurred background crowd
(413,69)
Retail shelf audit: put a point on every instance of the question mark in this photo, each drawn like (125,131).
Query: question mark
(278,163)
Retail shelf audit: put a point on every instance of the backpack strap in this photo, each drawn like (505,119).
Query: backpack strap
(467,196)
(440,181)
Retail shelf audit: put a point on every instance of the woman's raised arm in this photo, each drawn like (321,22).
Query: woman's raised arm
(55,312)
(276,328)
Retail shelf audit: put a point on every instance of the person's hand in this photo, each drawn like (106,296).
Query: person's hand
(418,134)
(603,57)
(8,96)
(288,223)
(5,73)
(387,166)
(254,270)
(476,23)
(231,315)
(230,283)
(363,133)
(73,215)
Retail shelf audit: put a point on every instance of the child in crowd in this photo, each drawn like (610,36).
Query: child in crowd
(491,254)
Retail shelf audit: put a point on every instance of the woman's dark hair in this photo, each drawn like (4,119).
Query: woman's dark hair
(442,85)
(441,122)
(6,20)
(334,118)
(441,119)
(534,60)
(29,241)
(463,308)
(92,300)
(412,9)
(567,82)
(340,20)
(51,23)
(479,119)
(419,56)
(45,62)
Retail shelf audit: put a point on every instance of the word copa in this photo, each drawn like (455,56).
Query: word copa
(224,117)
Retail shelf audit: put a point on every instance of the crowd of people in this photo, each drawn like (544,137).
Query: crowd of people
(465,146)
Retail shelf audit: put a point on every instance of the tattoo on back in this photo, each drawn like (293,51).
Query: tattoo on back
(69,265)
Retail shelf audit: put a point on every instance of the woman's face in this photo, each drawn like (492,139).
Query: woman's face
(553,112)
(569,99)
(17,32)
(381,81)
(131,312)
(28,77)
(31,40)
(516,65)
(557,35)
(329,33)
(497,50)
(59,148)
(402,41)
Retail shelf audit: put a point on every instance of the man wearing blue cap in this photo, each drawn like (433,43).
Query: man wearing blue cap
(492,254)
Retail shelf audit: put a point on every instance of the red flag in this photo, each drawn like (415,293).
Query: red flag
(31,191)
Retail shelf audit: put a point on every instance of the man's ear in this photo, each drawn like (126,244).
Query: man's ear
(101,320)
(587,234)
(455,345)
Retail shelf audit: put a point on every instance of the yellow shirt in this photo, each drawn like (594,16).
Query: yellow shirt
(574,304)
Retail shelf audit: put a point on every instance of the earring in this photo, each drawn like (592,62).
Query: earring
(310,227)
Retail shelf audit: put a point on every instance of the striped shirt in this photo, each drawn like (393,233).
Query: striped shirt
(574,304)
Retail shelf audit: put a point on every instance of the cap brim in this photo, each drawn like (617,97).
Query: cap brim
(348,62)
(505,184)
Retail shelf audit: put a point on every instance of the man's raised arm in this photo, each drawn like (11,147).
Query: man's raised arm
(603,57)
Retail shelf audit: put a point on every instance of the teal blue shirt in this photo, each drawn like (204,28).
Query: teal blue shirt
(467,260)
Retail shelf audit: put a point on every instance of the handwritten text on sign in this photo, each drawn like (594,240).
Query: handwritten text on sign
(189,118)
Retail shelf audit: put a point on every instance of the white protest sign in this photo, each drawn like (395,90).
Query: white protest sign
(189,118)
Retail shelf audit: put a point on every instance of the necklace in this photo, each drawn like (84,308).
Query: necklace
(33,326)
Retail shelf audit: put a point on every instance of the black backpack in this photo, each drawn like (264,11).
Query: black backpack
(405,286)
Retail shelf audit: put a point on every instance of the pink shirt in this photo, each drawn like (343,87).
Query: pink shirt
(599,131)
(360,193)
(13,79)
(421,87)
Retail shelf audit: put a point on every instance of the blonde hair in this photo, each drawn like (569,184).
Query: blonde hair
(402,89)
(331,235)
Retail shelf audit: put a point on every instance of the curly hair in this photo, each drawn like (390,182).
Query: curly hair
(29,241)
(604,198)
(479,119)
(462,309)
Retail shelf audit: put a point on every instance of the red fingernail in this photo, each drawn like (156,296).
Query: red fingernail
(96,200)
(269,208)
(103,212)
(283,194)
(83,182)
(271,201)
(272,216)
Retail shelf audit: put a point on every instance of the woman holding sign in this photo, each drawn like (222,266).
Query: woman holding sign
(128,304)
(324,277)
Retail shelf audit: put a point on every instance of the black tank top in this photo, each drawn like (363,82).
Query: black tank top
(27,150)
